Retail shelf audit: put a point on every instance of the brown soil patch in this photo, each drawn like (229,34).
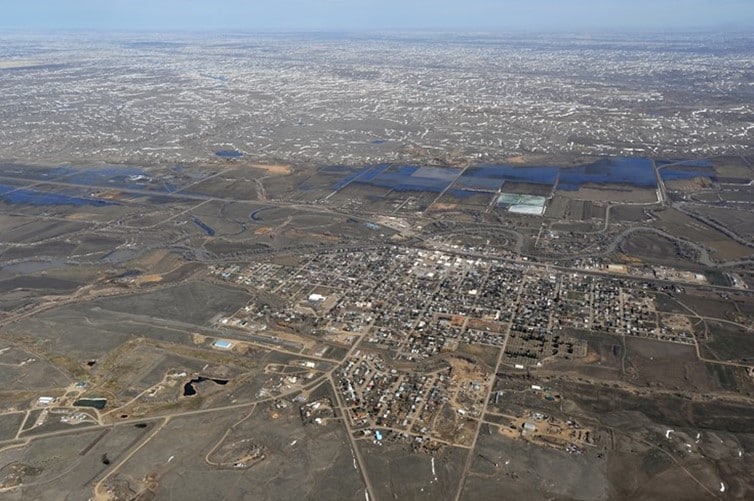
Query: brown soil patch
(443,206)
(612,193)
(524,159)
(146,279)
(278,169)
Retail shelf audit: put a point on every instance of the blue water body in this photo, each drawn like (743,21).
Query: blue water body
(534,175)
(117,177)
(99,174)
(687,163)
(97,403)
(371,173)
(424,184)
(204,226)
(28,173)
(189,390)
(228,153)
(363,175)
(254,216)
(687,169)
(414,178)
(483,177)
(404,177)
(615,170)
(12,195)
(478,183)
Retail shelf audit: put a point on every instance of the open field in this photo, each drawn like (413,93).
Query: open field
(738,221)
(659,364)
(195,303)
(657,248)
(292,453)
(609,193)
(514,466)
(678,224)
(730,342)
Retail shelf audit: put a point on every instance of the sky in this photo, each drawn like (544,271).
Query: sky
(359,15)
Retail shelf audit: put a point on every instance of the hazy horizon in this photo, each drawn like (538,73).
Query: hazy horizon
(371,15)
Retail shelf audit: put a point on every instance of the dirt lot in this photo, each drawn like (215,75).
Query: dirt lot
(730,342)
(608,193)
(668,365)
(520,465)
(397,472)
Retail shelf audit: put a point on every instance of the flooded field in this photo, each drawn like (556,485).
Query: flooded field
(691,169)
(638,172)
(616,170)
(25,196)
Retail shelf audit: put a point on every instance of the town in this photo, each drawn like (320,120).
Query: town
(424,331)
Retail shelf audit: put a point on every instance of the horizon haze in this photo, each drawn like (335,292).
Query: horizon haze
(307,15)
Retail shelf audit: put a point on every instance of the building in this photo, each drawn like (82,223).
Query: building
(222,344)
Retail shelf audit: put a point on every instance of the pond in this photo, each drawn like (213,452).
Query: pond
(228,153)
(96,403)
(189,389)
